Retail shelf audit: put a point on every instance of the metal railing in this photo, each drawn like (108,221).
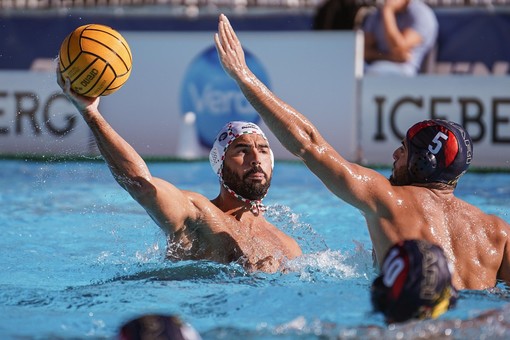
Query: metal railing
(72,4)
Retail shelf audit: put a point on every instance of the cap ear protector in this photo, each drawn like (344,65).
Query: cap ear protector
(422,164)
(438,151)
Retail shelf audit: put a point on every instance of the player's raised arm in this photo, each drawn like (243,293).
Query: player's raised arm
(347,180)
(129,169)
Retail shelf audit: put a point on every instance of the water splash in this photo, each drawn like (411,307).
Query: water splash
(334,264)
(494,324)
(290,222)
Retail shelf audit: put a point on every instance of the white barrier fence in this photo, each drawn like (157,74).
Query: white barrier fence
(174,73)
(363,118)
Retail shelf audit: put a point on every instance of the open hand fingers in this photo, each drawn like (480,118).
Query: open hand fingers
(230,35)
(219,46)
(222,34)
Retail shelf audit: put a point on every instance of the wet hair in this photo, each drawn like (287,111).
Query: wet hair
(438,151)
(156,326)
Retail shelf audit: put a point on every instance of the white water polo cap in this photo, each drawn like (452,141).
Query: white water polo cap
(230,132)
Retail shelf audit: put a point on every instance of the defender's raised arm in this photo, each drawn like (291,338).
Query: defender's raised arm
(345,179)
(127,166)
(416,202)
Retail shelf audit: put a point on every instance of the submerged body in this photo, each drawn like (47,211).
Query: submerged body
(231,236)
(89,252)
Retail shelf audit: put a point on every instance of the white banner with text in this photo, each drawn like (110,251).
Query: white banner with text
(390,105)
(177,73)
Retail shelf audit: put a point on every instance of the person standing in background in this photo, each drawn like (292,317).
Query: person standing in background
(398,36)
(338,15)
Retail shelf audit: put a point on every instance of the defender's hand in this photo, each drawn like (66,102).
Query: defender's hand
(229,49)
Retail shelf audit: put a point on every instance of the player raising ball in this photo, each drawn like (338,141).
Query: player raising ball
(228,228)
(97,60)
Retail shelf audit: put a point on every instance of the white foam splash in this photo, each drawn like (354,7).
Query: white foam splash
(493,324)
(333,264)
(152,252)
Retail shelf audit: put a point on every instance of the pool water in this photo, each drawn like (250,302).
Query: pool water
(79,257)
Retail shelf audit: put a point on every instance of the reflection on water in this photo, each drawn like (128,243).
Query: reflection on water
(187,270)
(491,325)
(228,293)
(80,257)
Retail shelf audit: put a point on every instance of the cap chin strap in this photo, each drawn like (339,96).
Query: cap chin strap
(256,206)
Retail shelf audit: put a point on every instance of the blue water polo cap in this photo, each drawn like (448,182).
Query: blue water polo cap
(415,282)
(438,151)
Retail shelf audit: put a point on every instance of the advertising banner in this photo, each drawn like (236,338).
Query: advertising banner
(19,49)
(480,104)
(37,119)
(178,96)
(178,73)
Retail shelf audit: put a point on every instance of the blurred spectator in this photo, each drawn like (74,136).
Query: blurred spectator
(398,36)
(337,15)
(415,283)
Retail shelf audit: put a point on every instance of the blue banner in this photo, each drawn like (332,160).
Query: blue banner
(28,37)
(467,37)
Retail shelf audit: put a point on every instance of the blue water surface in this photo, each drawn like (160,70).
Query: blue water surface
(79,257)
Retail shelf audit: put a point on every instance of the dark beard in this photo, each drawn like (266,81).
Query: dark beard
(245,188)
(400,179)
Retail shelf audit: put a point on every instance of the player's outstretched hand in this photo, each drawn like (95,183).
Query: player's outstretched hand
(229,49)
(82,103)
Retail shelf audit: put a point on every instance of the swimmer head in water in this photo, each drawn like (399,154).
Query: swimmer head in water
(415,283)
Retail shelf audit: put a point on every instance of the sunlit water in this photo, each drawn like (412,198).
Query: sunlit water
(79,257)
